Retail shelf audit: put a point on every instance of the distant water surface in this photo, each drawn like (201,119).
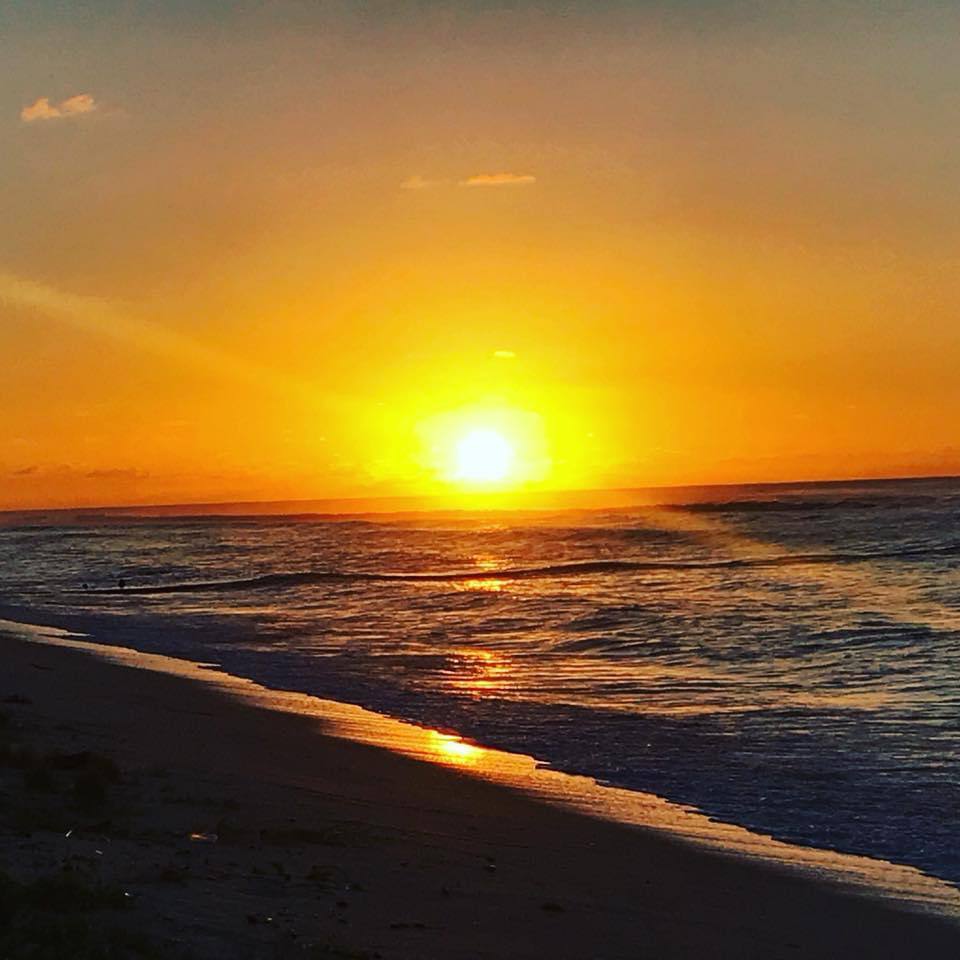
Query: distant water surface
(787,660)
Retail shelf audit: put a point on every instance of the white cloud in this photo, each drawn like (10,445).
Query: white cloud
(504,179)
(43,109)
(39,110)
(81,103)
(498,180)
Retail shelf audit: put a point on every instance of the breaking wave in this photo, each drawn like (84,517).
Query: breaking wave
(549,571)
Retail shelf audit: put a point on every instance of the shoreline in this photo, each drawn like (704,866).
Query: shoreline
(562,880)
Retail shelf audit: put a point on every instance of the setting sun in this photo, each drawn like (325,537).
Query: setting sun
(488,448)
(484,456)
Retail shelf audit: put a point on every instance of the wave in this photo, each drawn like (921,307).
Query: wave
(585,568)
(797,504)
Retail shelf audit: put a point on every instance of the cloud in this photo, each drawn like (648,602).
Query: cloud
(81,103)
(39,110)
(498,180)
(43,109)
(119,323)
(117,473)
(504,355)
(416,183)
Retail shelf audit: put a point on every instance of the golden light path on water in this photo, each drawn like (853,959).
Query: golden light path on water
(906,885)
(484,672)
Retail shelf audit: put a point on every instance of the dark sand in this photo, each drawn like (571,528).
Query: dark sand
(330,848)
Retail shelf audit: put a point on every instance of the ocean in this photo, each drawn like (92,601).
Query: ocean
(785,658)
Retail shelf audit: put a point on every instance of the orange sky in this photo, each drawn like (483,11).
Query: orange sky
(293,252)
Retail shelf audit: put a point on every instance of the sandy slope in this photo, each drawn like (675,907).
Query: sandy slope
(326,847)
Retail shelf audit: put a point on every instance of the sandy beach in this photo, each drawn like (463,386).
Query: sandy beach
(162,817)
(479,480)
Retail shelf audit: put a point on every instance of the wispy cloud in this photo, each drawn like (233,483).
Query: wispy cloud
(43,109)
(119,322)
(117,473)
(498,180)
(418,183)
(66,471)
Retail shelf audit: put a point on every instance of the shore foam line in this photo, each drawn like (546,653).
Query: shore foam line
(904,885)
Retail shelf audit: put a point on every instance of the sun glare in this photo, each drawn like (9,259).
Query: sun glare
(483,456)
(484,452)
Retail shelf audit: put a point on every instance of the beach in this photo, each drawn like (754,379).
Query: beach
(198,825)
(785,661)
(479,480)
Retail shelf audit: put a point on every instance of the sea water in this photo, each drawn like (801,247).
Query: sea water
(783,658)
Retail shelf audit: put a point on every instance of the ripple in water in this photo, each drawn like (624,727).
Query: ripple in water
(788,661)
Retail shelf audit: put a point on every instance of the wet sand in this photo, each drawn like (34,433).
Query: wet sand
(221,829)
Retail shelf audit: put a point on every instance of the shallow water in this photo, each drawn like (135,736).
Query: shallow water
(787,660)
(907,886)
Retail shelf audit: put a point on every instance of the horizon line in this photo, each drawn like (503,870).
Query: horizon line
(210,506)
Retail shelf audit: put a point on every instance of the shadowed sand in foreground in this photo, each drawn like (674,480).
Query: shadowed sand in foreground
(170,819)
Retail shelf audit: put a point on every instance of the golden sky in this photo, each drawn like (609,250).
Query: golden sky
(298,250)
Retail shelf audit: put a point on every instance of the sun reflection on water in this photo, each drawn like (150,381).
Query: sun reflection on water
(480,671)
(449,748)
(481,584)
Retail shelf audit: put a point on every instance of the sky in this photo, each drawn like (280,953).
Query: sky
(300,249)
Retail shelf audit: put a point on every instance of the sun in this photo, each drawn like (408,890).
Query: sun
(483,451)
(483,456)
